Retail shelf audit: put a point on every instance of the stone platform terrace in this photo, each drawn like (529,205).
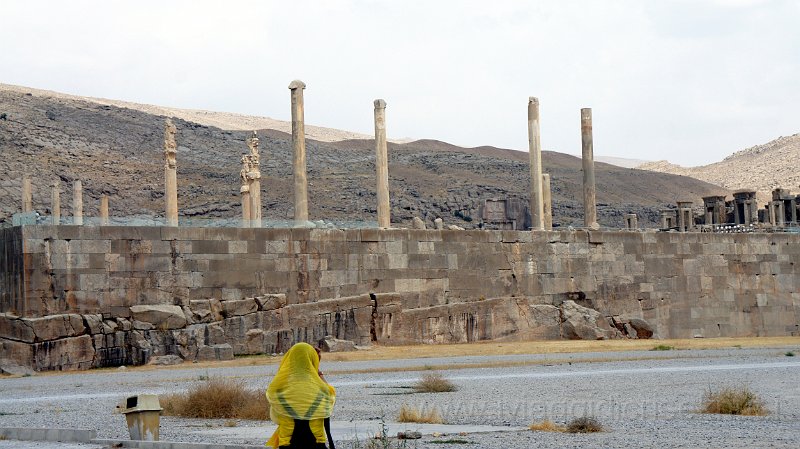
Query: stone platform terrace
(74,297)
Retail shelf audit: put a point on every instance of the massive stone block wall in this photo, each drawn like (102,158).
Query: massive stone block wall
(390,286)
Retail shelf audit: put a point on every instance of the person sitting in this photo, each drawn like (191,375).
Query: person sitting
(301,401)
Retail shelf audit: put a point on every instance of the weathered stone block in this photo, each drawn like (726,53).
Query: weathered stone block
(271,302)
(161,316)
(239,307)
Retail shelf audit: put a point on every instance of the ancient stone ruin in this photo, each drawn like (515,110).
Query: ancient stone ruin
(94,294)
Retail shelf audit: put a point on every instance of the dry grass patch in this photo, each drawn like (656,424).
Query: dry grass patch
(217,398)
(412,414)
(587,424)
(434,383)
(733,401)
(547,426)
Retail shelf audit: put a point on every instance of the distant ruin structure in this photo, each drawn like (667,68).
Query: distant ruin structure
(170,173)
(783,208)
(382,165)
(631,221)
(685,216)
(745,207)
(299,146)
(589,190)
(506,214)
(535,154)
(715,210)
(669,219)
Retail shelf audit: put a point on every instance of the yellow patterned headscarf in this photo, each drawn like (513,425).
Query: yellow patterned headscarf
(296,391)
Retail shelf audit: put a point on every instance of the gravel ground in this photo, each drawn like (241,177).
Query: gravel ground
(644,399)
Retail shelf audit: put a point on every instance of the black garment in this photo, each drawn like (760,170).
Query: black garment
(302,438)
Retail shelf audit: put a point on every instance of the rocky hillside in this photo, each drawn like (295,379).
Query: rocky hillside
(761,168)
(117,149)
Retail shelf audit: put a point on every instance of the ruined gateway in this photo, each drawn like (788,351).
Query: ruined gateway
(76,297)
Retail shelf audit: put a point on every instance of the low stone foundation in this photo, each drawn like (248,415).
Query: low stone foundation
(219,330)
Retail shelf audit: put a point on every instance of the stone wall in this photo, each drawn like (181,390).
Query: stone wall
(103,296)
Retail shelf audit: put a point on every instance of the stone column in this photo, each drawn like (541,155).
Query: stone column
(55,201)
(547,199)
(77,203)
(244,191)
(254,181)
(589,192)
(771,213)
(535,154)
(27,194)
(382,164)
(299,146)
(170,174)
(246,203)
(104,210)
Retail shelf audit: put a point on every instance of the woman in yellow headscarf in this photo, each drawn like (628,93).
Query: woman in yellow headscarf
(300,401)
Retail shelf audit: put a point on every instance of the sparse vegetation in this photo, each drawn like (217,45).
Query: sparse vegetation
(733,401)
(217,398)
(231,423)
(789,354)
(547,426)
(381,441)
(412,414)
(434,383)
(663,348)
(586,424)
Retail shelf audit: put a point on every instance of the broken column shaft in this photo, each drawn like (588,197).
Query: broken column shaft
(535,153)
(589,191)
(55,201)
(547,199)
(77,203)
(104,210)
(299,146)
(382,164)
(27,195)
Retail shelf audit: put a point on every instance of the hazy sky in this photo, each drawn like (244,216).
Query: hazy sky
(687,80)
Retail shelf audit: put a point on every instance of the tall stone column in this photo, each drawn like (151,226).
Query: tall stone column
(77,203)
(547,199)
(299,146)
(104,210)
(254,180)
(535,153)
(244,191)
(27,194)
(170,174)
(55,202)
(382,164)
(589,191)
